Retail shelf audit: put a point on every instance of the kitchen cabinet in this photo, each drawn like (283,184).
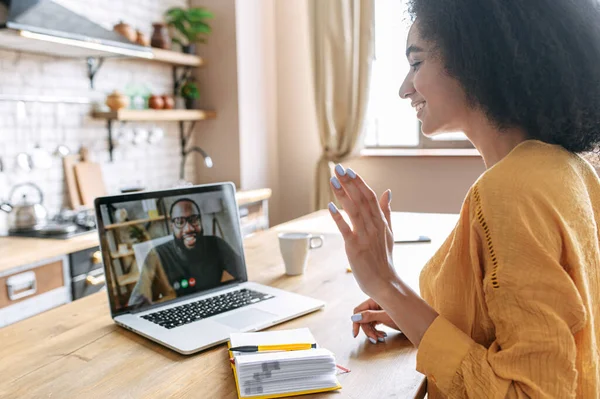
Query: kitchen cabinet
(31,289)
(87,273)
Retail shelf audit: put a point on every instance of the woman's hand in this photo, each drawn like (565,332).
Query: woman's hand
(370,241)
(367,315)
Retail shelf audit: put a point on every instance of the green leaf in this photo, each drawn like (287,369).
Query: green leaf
(180,27)
(200,29)
(199,14)
(175,14)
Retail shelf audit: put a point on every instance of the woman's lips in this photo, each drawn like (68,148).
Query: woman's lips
(420,107)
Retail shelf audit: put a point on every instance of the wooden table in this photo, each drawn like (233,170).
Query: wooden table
(76,351)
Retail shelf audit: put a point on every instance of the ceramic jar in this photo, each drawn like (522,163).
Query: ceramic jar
(142,39)
(160,36)
(126,30)
(116,101)
(156,102)
(169,102)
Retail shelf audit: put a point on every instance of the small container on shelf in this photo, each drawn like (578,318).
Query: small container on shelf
(168,101)
(126,31)
(156,102)
(160,36)
(142,39)
(116,101)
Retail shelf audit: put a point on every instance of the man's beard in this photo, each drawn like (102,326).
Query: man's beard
(180,243)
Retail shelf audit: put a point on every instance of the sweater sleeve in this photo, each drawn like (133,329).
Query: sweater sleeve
(531,299)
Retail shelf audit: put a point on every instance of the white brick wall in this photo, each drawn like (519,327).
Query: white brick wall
(154,166)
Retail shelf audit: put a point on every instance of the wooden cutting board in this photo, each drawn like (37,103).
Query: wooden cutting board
(69,162)
(90,182)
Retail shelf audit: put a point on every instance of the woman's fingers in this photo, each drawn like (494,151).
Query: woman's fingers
(347,202)
(361,194)
(367,320)
(373,334)
(385,205)
(354,200)
(339,221)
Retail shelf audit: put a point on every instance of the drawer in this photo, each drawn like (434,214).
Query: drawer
(87,284)
(27,283)
(34,305)
(84,261)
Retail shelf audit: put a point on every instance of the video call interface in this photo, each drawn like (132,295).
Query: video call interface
(164,248)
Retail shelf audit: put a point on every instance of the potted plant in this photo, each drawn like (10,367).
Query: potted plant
(190,93)
(190,26)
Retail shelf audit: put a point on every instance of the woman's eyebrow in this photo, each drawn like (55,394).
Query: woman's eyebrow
(413,49)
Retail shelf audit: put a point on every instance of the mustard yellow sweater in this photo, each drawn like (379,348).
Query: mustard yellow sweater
(517,284)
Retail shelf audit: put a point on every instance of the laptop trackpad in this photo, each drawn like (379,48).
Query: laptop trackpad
(246,318)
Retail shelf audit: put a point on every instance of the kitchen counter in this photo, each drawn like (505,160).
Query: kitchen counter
(20,251)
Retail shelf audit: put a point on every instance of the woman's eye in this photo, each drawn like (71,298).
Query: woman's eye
(415,65)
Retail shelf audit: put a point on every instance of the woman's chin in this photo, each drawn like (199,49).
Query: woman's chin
(431,131)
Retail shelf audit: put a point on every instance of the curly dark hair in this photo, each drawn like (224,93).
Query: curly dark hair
(533,64)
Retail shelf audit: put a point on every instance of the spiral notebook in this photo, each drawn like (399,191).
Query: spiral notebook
(263,375)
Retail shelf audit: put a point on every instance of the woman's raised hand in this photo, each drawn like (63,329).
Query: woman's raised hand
(369,241)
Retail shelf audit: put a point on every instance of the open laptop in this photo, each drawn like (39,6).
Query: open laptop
(175,268)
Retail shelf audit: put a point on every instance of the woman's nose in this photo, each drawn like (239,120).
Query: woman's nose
(406,88)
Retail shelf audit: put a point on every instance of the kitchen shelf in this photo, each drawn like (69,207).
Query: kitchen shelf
(116,255)
(133,222)
(151,115)
(36,43)
(176,58)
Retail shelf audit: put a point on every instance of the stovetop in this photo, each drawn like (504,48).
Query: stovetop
(80,222)
(59,236)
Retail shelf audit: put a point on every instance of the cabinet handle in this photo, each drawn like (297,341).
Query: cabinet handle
(24,281)
(91,280)
(96,258)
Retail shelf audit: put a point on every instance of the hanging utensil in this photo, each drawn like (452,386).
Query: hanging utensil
(62,150)
(40,158)
(23,159)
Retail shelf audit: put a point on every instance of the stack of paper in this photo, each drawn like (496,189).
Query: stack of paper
(278,374)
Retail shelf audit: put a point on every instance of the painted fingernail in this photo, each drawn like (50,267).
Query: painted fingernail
(351,173)
(332,208)
(389,195)
(380,339)
(384,333)
(356,317)
(336,182)
(373,340)
(340,170)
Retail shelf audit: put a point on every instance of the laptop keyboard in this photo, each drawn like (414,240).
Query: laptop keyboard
(194,311)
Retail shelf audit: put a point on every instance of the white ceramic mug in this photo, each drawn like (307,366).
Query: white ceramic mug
(294,249)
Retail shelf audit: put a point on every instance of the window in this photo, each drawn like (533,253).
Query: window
(391,121)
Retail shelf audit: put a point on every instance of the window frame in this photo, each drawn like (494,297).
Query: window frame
(372,139)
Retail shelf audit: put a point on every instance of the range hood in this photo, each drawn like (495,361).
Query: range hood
(44,26)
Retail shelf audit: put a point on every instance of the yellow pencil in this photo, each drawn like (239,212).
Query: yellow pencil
(264,348)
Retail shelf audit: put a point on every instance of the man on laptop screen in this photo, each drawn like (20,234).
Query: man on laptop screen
(175,268)
(190,262)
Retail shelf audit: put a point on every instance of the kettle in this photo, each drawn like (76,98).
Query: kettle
(25,215)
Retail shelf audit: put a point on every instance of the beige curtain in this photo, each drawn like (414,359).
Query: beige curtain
(343,45)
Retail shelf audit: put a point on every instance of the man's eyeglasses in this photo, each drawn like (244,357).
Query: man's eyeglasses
(179,222)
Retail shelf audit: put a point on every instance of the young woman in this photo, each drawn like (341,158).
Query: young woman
(510,303)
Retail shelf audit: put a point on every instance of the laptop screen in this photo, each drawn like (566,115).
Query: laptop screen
(164,245)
